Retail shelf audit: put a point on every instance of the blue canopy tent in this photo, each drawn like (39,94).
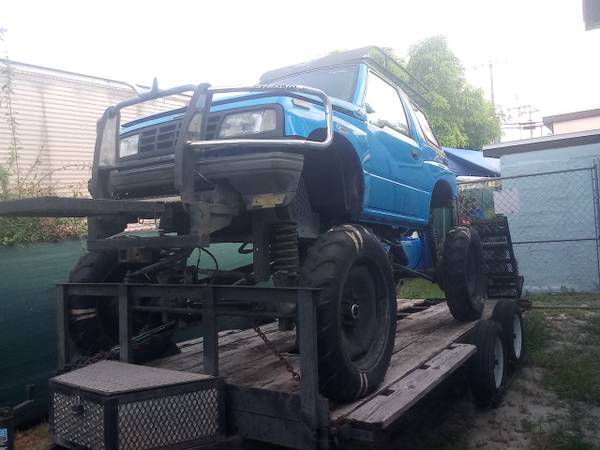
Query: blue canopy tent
(471,163)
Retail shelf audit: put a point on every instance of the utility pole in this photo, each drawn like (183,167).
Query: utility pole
(491,67)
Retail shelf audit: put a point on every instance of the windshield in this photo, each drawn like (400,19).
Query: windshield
(336,82)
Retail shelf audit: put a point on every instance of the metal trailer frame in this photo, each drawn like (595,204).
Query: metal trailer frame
(299,418)
(308,410)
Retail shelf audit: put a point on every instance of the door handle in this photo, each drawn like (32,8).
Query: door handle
(414,153)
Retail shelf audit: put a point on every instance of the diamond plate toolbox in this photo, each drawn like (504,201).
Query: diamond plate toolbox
(111,405)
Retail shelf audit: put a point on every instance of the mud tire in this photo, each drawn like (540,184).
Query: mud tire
(464,274)
(351,267)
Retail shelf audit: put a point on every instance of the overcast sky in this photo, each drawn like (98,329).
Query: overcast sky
(542,54)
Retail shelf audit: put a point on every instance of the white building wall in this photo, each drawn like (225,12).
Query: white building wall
(554,207)
(56,114)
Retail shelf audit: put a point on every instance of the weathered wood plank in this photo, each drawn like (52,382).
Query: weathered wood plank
(386,407)
(237,356)
(194,349)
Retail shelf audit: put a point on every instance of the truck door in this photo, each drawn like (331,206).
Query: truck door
(395,164)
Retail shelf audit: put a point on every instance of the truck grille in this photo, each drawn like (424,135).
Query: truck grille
(162,138)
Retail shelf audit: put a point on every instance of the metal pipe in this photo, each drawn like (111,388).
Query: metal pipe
(197,312)
(514,177)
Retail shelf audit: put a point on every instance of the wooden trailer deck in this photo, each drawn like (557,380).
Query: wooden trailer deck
(429,346)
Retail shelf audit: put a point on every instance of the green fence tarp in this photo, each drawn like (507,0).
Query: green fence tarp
(28,313)
(28,319)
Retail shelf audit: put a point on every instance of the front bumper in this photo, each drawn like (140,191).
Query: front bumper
(262,179)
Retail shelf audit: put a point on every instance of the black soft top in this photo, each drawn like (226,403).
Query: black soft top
(371,55)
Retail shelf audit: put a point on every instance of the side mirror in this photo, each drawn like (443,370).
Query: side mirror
(369,109)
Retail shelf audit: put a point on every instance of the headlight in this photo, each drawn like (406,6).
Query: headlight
(247,123)
(129,146)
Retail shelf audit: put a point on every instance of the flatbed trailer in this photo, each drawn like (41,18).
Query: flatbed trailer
(262,397)
(269,391)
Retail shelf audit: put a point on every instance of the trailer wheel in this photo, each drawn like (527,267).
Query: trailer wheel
(508,315)
(94,321)
(356,311)
(487,368)
(463,273)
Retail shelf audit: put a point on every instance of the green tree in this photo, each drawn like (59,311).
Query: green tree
(459,113)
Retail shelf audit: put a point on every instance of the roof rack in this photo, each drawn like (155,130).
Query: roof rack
(374,56)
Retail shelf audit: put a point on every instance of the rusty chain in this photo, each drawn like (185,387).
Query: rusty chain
(288,366)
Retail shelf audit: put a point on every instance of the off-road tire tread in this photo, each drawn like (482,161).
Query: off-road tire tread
(454,273)
(321,269)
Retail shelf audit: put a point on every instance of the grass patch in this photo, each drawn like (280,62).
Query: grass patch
(536,333)
(419,288)
(573,375)
(593,326)
(562,440)
(565,299)
(35,438)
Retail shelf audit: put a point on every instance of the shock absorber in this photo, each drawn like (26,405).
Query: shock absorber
(284,249)
(433,240)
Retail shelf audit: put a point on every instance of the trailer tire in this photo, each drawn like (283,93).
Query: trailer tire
(356,312)
(463,273)
(487,368)
(508,315)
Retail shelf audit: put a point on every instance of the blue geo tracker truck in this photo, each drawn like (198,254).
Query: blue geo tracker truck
(322,172)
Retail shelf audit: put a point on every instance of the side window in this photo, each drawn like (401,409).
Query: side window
(384,107)
(424,124)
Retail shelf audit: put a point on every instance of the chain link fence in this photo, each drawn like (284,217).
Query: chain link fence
(553,219)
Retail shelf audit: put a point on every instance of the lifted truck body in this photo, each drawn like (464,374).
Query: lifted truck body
(399,169)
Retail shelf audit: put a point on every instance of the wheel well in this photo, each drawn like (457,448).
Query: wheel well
(442,195)
(334,178)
